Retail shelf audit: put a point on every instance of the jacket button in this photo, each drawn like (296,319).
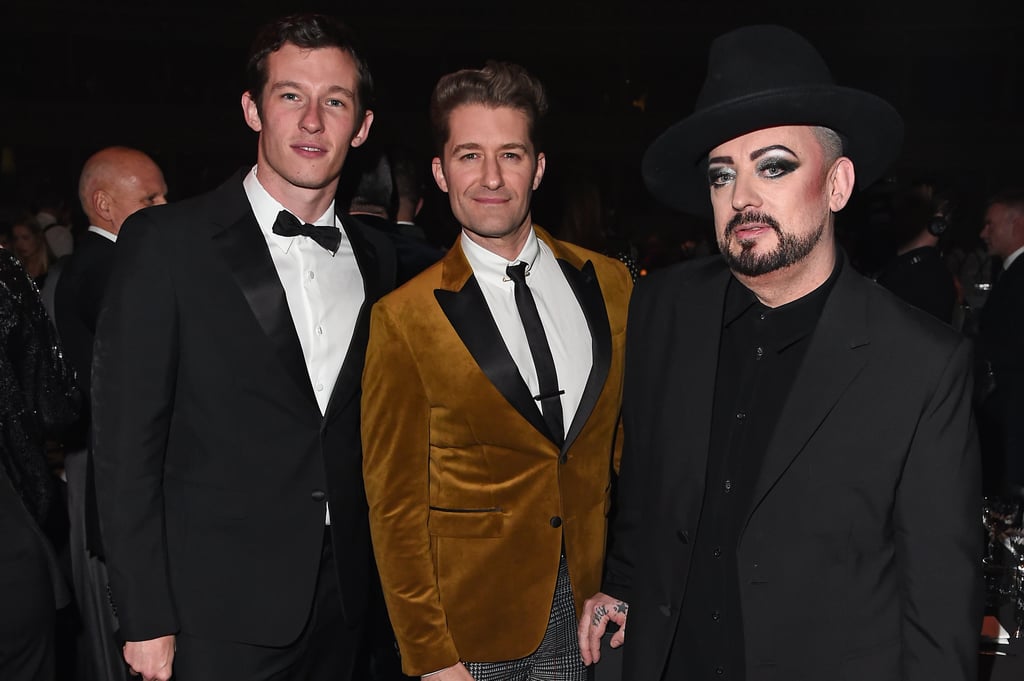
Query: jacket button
(318,495)
(555,521)
(682,536)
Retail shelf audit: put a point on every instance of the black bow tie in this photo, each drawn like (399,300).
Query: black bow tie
(287,224)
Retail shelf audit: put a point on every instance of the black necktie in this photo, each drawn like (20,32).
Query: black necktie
(550,396)
(287,224)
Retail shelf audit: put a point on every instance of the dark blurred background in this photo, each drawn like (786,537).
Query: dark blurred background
(167,77)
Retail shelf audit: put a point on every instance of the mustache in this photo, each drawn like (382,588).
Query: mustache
(749,219)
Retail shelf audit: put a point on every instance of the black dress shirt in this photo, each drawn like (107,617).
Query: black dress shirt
(760,352)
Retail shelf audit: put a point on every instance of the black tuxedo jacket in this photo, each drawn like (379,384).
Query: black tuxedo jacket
(859,557)
(1001,341)
(77,301)
(78,297)
(213,462)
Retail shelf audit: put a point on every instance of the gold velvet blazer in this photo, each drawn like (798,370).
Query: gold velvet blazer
(469,496)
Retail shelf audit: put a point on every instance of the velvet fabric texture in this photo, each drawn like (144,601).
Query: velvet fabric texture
(469,498)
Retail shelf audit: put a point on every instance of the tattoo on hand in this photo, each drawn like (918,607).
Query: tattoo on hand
(599,614)
(621,607)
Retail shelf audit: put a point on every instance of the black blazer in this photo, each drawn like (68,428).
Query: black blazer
(78,296)
(77,300)
(213,461)
(1000,341)
(859,558)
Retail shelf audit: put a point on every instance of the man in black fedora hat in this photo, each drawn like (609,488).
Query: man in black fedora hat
(800,482)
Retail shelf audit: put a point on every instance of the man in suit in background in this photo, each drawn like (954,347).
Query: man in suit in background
(490,409)
(369,192)
(115,183)
(226,392)
(800,488)
(1000,345)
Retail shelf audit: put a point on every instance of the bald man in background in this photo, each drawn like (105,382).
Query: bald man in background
(115,182)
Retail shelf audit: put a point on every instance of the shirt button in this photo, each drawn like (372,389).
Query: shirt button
(310,274)
(719,671)
(717,552)
(555,521)
(763,316)
(727,486)
(716,615)
(319,387)
(759,352)
(319,330)
(740,415)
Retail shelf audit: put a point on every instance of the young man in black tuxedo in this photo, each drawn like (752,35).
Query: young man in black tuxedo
(226,384)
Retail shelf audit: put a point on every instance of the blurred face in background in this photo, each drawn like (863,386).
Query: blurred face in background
(26,242)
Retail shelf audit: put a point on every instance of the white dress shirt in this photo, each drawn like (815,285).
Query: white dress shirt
(565,325)
(103,233)
(324,290)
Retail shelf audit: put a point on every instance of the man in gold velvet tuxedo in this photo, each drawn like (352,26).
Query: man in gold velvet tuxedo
(491,404)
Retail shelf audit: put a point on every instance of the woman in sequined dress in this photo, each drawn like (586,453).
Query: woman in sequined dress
(38,399)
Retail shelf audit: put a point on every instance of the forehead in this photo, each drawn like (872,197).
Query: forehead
(319,65)
(800,139)
(480,124)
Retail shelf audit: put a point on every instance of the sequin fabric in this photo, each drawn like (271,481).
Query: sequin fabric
(38,395)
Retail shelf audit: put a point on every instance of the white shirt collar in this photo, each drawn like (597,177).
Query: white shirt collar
(102,232)
(491,266)
(265,207)
(1010,258)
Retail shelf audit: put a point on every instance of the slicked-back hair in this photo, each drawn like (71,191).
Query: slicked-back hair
(308,31)
(497,84)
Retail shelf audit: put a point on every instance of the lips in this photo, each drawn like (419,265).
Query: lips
(309,149)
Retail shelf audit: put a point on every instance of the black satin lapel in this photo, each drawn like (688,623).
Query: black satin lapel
(244,249)
(471,318)
(585,285)
(378,279)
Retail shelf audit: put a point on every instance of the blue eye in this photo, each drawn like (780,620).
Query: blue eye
(776,167)
(719,177)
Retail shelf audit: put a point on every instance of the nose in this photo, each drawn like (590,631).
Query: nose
(491,178)
(744,194)
(160,200)
(312,119)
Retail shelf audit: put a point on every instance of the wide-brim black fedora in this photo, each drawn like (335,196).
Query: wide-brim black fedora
(761,77)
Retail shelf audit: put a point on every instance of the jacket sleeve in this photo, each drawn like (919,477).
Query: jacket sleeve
(396,452)
(134,368)
(937,534)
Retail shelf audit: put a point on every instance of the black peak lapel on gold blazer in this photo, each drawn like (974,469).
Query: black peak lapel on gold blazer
(583,281)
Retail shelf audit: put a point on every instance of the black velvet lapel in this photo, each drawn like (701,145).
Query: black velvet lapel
(469,315)
(588,292)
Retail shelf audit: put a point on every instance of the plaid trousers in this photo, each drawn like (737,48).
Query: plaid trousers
(558,656)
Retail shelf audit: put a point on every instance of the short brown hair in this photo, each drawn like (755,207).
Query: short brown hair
(308,31)
(497,84)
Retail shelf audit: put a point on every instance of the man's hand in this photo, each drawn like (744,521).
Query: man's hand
(457,672)
(152,659)
(598,611)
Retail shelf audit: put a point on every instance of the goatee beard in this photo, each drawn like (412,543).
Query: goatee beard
(790,249)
